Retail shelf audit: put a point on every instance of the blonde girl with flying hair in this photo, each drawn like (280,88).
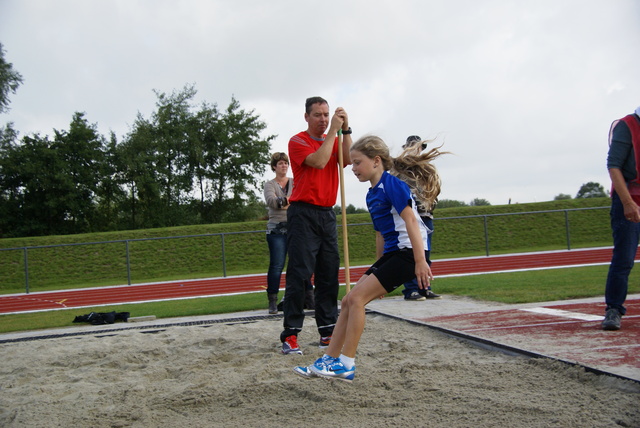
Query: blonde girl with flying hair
(401,243)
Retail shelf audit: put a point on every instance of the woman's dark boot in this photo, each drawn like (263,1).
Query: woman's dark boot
(273,303)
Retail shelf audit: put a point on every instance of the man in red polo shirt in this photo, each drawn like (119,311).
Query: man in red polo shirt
(312,237)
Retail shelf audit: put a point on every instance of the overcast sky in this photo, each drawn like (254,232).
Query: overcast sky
(522,93)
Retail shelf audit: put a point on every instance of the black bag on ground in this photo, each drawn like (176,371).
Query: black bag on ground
(99,318)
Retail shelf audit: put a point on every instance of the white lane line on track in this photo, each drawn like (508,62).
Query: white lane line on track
(564,314)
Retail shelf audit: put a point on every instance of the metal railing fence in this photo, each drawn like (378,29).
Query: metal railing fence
(488,238)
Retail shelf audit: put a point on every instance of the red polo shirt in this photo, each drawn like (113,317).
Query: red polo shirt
(312,185)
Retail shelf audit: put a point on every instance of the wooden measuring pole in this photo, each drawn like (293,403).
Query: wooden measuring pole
(345,239)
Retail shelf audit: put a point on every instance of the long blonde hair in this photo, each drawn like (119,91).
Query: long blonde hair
(413,166)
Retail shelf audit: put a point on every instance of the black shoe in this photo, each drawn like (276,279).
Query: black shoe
(611,320)
(415,296)
(431,295)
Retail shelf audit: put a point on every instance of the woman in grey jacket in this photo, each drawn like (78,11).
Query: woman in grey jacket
(276,196)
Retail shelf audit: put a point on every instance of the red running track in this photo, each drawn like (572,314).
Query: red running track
(89,297)
(568,331)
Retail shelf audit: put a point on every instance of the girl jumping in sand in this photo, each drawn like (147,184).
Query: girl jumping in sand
(401,243)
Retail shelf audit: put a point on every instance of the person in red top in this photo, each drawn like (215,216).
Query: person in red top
(312,237)
(623,163)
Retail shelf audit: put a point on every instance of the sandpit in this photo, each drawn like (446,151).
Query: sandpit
(232,374)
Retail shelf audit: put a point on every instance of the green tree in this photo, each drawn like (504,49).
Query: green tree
(138,156)
(8,137)
(156,159)
(350,209)
(110,195)
(50,186)
(80,152)
(561,196)
(185,165)
(477,202)
(591,190)
(171,131)
(10,80)
(450,203)
(180,166)
(235,157)
(10,188)
(33,189)
(207,133)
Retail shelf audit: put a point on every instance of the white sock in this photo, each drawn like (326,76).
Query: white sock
(347,361)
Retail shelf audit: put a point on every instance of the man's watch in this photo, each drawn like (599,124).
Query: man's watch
(347,132)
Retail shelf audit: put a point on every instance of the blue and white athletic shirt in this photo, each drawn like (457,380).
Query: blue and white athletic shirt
(385,202)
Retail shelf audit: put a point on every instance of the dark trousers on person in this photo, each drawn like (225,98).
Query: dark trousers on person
(312,241)
(277,255)
(625,245)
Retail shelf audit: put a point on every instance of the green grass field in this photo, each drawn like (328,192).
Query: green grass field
(186,257)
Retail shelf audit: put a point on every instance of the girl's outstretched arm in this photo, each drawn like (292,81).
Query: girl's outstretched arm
(423,271)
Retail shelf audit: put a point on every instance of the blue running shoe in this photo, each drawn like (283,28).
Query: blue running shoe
(333,368)
(304,372)
(324,360)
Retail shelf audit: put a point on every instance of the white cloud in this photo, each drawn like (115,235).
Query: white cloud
(522,93)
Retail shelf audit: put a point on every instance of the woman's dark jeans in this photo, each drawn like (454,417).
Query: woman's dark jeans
(277,254)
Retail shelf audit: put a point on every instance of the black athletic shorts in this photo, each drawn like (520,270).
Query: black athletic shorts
(395,268)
